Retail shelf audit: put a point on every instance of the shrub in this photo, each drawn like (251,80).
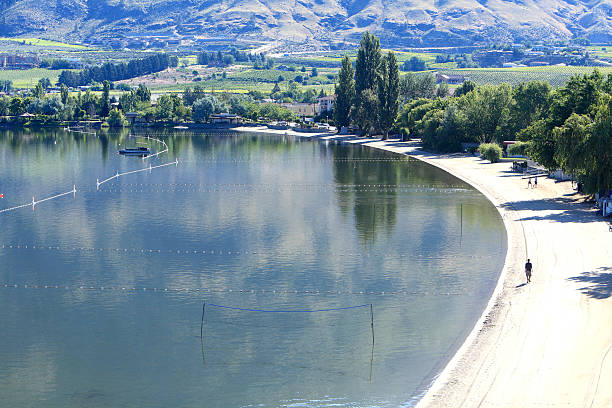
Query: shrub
(124,87)
(491,151)
(116,119)
(204,107)
(518,149)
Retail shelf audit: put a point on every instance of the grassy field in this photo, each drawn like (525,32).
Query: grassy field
(44,43)
(27,78)
(600,51)
(241,78)
(556,75)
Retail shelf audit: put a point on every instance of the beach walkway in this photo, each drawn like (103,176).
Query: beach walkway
(543,344)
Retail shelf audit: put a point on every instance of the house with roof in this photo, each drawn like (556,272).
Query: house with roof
(225,119)
(450,79)
(326,103)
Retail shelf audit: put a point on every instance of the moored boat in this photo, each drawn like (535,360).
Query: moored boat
(135,151)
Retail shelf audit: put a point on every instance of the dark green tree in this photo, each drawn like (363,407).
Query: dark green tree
(64,93)
(143,93)
(104,101)
(345,93)
(465,88)
(17,106)
(203,108)
(414,86)
(531,101)
(364,113)
(38,91)
(367,64)
(388,93)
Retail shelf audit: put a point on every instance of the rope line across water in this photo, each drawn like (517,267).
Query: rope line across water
(34,202)
(155,140)
(132,289)
(117,175)
(220,252)
(286,311)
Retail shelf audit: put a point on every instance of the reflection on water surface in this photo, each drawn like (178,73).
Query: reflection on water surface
(247,221)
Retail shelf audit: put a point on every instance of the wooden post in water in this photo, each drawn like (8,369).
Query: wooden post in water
(372,352)
(372,322)
(202,332)
(461,219)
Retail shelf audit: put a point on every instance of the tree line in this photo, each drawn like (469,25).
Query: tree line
(569,128)
(117,71)
(223,59)
(368,95)
(195,104)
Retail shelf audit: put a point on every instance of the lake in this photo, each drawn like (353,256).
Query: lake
(295,246)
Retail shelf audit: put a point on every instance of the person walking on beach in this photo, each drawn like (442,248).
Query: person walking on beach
(529,183)
(535,182)
(528,268)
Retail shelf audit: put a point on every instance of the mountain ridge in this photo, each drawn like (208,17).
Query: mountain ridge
(411,23)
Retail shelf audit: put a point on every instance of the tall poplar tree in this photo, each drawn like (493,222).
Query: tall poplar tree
(105,102)
(366,77)
(388,93)
(345,93)
(368,63)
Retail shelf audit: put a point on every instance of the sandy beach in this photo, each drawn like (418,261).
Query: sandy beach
(543,344)
(546,343)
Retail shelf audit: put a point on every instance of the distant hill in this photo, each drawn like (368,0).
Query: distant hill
(409,23)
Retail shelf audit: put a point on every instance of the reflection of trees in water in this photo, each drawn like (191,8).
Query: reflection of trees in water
(374,211)
(230,145)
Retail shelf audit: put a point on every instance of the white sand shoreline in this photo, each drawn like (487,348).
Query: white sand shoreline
(545,344)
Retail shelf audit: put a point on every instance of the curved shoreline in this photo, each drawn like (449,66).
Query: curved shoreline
(548,343)
(543,344)
(441,379)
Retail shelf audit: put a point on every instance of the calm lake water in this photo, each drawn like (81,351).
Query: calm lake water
(102,291)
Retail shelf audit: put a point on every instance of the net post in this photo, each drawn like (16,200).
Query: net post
(372,322)
(202,332)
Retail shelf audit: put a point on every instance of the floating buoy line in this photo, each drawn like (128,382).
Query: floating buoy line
(221,252)
(34,202)
(148,138)
(282,190)
(335,185)
(149,169)
(67,129)
(271,292)
(291,160)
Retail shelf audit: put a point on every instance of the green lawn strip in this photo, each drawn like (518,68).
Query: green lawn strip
(27,78)
(43,43)
(556,75)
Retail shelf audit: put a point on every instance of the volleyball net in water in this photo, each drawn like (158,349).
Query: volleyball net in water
(253,322)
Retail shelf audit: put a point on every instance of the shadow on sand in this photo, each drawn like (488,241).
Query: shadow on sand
(599,283)
(565,209)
